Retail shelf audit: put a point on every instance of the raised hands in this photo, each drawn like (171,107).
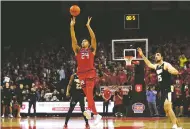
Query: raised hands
(88,22)
(72,21)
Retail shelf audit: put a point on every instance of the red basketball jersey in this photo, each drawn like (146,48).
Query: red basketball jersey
(85,60)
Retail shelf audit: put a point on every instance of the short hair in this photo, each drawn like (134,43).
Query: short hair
(88,39)
(161,52)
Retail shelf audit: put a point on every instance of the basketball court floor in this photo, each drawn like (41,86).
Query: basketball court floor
(78,123)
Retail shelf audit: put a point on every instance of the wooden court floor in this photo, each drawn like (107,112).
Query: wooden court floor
(78,123)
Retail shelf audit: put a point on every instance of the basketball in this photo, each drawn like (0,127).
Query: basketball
(74,10)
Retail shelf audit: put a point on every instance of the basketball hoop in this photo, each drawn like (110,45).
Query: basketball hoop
(128,60)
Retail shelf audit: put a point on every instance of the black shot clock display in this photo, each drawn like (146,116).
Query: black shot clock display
(131,21)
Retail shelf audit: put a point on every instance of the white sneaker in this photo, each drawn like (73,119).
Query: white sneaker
(175,127)
(10,115)
(87,114)
(19,116)
(97,119)
(2,116)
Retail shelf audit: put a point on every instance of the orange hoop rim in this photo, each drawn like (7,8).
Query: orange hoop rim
(128,60)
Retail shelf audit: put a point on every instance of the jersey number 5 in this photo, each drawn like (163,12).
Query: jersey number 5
(159,78)
(83,55)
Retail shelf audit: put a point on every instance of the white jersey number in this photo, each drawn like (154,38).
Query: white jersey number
(78,84)
(159,78)
(83,55)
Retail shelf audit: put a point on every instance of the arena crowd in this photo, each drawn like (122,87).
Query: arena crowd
(46,69)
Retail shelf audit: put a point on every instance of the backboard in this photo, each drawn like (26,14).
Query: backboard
(128,47)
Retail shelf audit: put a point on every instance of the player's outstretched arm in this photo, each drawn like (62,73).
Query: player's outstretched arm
(147,62)
(171,69)
(73,37)
(92,35)
(69,85)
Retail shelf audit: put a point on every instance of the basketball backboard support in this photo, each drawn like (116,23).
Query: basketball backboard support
(121,46)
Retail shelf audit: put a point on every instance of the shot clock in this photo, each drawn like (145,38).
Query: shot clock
(131,21)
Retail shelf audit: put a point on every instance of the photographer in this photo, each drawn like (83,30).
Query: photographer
(118,101)
(151,98)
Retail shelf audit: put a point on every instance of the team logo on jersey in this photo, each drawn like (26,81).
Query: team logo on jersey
(138,87)
(159,71)
(138,107)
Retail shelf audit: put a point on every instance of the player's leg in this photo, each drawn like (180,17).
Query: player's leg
(10,109)
(169,111)
(19,106)
(82,107)
(104,107)
(71,108)
(91,104)
(155,109)
(34,107)
(89,95)
(107,103)
(30,105)
(150,108)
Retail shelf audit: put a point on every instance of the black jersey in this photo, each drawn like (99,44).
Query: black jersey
(164,78)
(76,89)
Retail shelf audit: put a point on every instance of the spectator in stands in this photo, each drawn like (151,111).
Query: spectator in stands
(55,95)
(186,97)
(118,101)
(61,73)
(48,95)
(114,79)
(151,98)
(62,95)
(26,92)
(182,61)
(178,101)
(122,77)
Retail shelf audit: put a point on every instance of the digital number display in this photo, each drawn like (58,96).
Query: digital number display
(131,21)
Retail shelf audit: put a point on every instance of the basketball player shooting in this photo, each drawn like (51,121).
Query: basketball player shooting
(76,93)
(86,70)
(164,70)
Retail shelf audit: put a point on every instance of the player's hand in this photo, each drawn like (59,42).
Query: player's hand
(88,22)
(140,51)
(73,21)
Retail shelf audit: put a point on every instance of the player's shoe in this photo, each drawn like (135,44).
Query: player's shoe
(10,115)
(18,116)
(65,126)
(3,116)
(87,126)
(175,127)
(87,114)
(97,119)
